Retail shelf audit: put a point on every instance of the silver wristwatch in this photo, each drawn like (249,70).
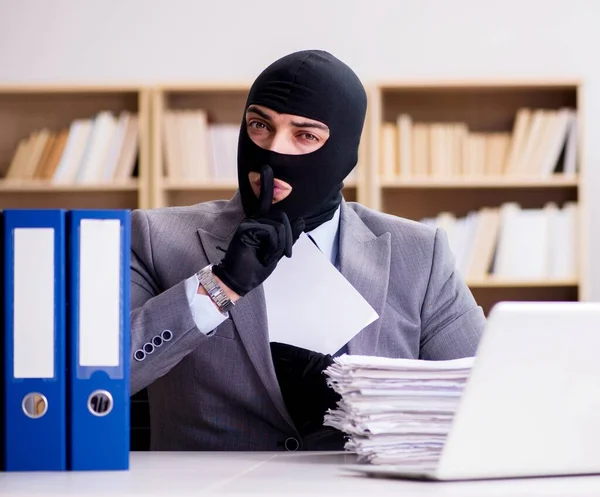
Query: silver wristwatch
(214,290)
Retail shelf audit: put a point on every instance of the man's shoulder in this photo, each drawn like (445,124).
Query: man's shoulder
(400,228)
(197,216)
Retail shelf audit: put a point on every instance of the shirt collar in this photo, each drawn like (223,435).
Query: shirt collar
(326,236)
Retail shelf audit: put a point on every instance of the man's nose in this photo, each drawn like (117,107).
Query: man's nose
(280,144)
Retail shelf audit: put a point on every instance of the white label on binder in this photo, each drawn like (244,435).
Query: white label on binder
(33,323)
(99,292)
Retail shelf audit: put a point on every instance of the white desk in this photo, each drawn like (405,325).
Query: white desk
(264,474)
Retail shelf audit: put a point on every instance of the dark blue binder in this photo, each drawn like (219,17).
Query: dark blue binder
(98,337)
(2,357)
(34,340)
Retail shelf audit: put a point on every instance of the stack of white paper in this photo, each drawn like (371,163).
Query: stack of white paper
(396,411)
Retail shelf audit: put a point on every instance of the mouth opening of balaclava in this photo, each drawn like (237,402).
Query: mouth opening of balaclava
(316,85)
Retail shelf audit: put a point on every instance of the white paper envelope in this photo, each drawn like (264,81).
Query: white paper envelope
(311,305)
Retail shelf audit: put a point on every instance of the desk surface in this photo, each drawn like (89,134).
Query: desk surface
(259,473)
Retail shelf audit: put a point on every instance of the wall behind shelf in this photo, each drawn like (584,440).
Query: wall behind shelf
(156,41)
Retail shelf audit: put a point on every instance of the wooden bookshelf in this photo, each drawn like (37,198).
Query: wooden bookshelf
(492,282)
(223,104)
(28,108)
(557,181)
(484,107)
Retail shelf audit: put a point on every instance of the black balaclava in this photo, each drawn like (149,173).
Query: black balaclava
(316,85)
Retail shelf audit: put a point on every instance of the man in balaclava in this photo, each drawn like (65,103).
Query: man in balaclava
(317,86)
(200,343)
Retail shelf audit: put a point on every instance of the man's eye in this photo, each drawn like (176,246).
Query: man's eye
(309,137)
(257,125)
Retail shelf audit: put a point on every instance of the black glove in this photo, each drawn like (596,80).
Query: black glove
(304,388)
(258,244)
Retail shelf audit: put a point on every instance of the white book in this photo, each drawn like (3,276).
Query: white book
(447,222)
(129,151)
(185,129)
(214,150)
(484,244)
(201,167)
(70,160)
(556,141)
(539,121)
(91,169)
(457,242)
(405,161)
(571,149)
(389,146)
(223,152)
(115,147)
(564,241)
(171,146)
(523,244)
(468,245)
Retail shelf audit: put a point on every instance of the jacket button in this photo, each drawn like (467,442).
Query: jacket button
(166,335)
(157,341)
(291,444)
(139,355)
(148,348)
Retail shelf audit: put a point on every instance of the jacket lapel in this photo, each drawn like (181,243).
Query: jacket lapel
(365,262)
(250,313)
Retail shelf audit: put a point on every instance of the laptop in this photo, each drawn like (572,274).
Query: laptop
(531,405)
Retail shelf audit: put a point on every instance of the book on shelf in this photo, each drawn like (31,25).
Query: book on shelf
(200,151)
(541,143)
(97,150)
(513,243)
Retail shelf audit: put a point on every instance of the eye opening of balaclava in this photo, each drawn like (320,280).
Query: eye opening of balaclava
(316,85)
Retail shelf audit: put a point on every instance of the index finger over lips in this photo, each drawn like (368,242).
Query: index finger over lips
(266,189)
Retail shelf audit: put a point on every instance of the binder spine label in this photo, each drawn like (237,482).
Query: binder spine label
(33,345)
(99,293)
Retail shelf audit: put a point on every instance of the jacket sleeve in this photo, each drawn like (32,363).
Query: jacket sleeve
(451,320)
(163,324)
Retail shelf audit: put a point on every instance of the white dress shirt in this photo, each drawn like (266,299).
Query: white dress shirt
(207,317)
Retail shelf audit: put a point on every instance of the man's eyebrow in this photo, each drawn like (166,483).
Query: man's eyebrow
(310,125)
(260,112)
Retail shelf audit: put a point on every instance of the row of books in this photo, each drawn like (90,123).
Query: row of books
(198,150)
(100,149)
(510,242)
(541,143)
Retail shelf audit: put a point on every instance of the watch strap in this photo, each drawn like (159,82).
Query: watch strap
(207,279)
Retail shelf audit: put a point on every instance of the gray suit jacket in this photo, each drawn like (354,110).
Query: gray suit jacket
(221,392)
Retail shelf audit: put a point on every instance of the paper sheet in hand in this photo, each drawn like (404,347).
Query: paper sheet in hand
(311,305)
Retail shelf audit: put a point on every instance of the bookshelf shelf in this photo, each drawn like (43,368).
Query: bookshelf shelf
(169,184)
(492,282)
(555,181)
(183,185)
(45,187)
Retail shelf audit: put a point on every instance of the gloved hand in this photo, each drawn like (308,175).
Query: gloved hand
(258,243)
(304,387)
